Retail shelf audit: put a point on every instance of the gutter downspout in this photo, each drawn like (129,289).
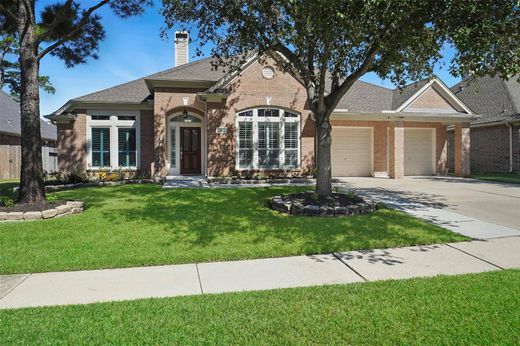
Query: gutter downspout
(510,145)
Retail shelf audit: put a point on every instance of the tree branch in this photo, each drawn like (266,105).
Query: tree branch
(337,93)
(78,27)
(55,21)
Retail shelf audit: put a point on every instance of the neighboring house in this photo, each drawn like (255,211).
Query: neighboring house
(495,133)
(191,119)
(10,140)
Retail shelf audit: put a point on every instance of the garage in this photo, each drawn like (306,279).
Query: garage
(352,149)
(419,155)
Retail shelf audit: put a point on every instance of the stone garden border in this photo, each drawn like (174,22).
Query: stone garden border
(60,187)
(70,207)
(243,181)
(296,208)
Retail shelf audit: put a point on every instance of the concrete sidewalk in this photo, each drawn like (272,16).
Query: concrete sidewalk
(82,287)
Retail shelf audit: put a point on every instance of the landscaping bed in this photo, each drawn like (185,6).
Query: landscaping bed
(309,204)
(39,211)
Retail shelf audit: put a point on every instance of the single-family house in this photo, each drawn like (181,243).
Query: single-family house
(10,140)
(495,131)
(193,119)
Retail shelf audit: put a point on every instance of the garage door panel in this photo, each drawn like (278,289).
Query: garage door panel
(418,152)
(351,153)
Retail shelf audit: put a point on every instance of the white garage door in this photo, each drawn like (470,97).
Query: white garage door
(351,152)
(418,152)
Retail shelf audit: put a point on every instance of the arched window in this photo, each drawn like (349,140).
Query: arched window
(268,138)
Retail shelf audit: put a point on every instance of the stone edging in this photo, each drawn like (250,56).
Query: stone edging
(97,184)
(296,208)
(70,207)
(242,181)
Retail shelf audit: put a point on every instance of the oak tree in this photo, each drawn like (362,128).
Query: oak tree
(329,44)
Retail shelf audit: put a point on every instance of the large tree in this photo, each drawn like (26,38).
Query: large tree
(65,30)
(329,44)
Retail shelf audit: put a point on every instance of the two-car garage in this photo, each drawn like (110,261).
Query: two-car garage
(352,152)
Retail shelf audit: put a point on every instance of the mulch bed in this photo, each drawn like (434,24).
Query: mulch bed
(23,207)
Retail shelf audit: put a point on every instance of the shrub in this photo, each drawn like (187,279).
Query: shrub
(6,201)
(74,178)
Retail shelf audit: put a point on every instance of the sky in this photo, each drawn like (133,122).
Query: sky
(132,49)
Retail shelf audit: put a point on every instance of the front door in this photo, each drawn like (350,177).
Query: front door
(190,150)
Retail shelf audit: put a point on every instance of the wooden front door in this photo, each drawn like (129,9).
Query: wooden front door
(190,150)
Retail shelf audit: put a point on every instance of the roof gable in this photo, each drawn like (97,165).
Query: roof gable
(433,97)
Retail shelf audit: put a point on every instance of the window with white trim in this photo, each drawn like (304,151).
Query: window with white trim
(113,140)
(127,147)
(268,138)
(101,147)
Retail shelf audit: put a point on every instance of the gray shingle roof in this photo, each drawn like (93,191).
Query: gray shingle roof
(10,119)
(492,98)
(136,91)
(365,97)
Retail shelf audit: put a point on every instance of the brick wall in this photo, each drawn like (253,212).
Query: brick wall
(72,144)
(168,101)
(432,99)
(147,155)
(490,149)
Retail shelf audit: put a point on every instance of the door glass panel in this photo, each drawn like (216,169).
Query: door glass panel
(186,140)
(195,140)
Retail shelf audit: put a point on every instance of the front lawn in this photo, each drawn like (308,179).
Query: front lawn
(476,309)
(513,178)
(138,225)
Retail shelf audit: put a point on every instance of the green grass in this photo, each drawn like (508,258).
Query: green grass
(476,309)
(513,178)
(138,225)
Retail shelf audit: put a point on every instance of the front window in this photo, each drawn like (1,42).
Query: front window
(268,138)
(101,147)
(114,140)
(127,147)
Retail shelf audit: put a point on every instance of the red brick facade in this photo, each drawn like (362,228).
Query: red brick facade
(251,90)
(490,149)
(72,139)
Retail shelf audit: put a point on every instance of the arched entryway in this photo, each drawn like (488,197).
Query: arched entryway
(186,144)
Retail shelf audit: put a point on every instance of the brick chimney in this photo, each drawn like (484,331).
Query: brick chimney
(182,39)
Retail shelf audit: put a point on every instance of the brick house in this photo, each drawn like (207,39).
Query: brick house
(10,140)
(192,119)
(495,132)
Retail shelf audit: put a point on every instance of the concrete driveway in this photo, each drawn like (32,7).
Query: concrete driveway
(488,202)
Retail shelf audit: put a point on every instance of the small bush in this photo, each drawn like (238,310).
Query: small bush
(74,178)
(6,201)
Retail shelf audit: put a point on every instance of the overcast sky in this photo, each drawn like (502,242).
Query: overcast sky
(132,49)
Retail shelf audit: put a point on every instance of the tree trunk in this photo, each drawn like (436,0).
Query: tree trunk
(323,164)
(31,176)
